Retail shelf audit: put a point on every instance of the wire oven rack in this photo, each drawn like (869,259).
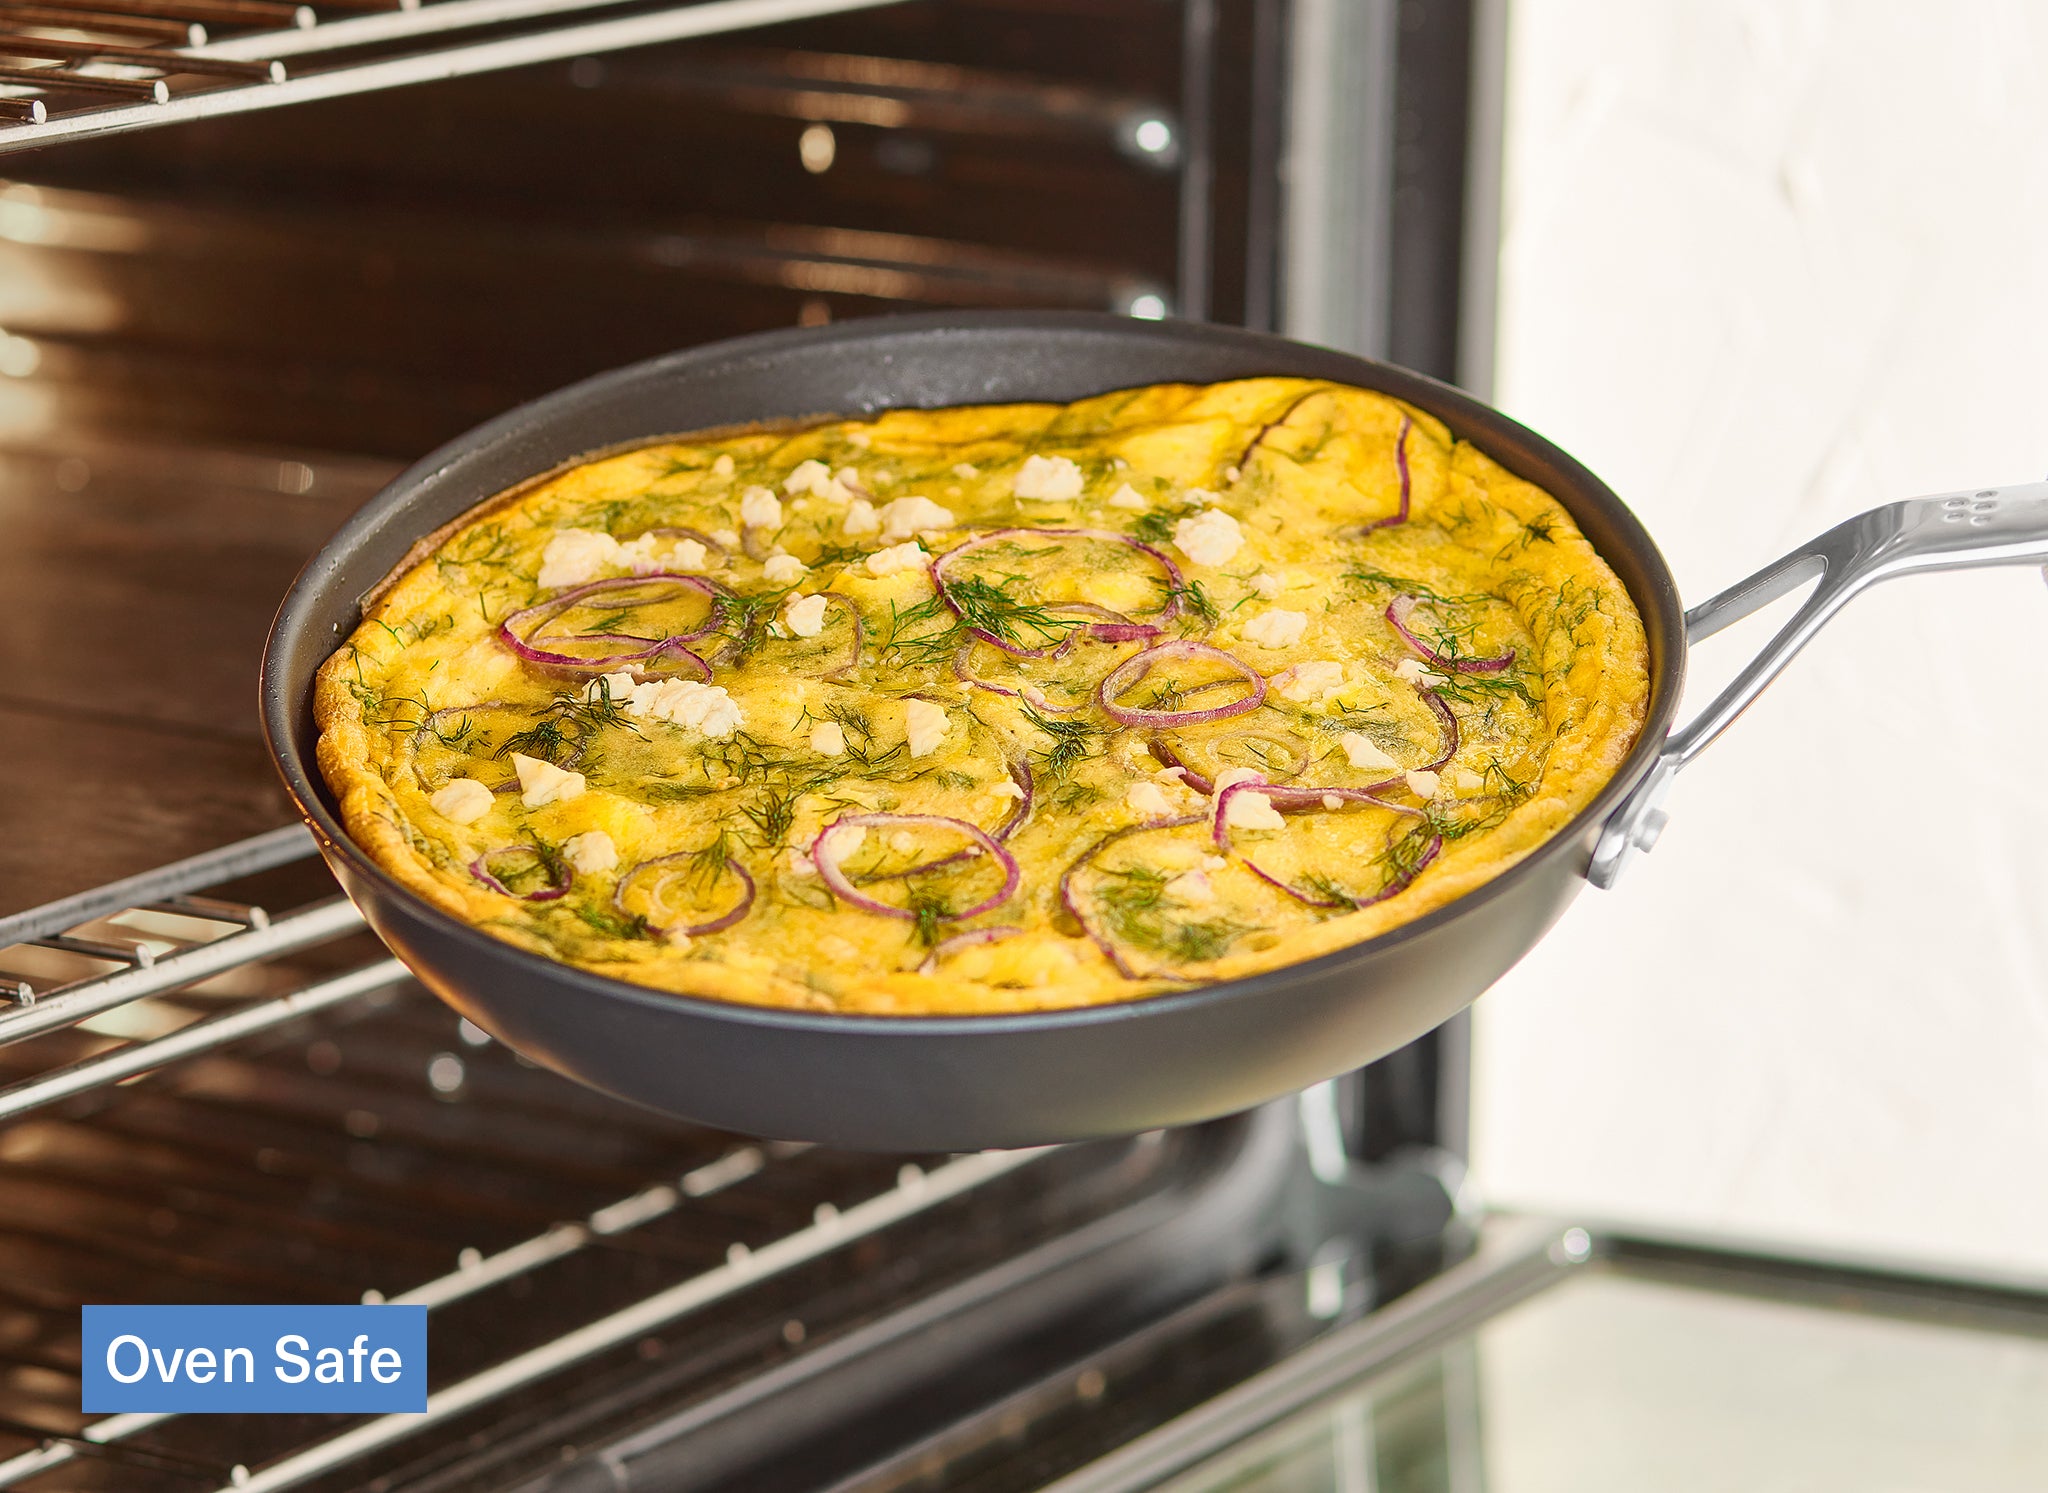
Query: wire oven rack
(77,68)
(257,1178)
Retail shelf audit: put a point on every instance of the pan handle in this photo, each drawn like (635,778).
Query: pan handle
(1949,531)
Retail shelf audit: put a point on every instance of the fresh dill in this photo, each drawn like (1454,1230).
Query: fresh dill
(486,547)
(1155,526)
(609,921)
(1402,583)
(1072,743)
(1134,903)
(1197,605)
(929,913)
(567,725)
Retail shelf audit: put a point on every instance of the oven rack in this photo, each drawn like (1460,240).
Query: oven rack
(101,67)
(164,939)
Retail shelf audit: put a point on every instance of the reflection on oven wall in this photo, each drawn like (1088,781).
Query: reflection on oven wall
(1764,266)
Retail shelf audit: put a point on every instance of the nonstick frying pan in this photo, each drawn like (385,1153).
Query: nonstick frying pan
(963,1083)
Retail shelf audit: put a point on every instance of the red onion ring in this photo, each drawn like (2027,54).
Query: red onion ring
(847,892)
(961,658)
(696,930)
(541,613)
(1138,665)
(1401,465)
(1166,757)
(1073,907)
(1119,622)
(960,941)
(1398,612)
(480,868)
(1450,725)
(1114,627)
(1296,801)
(1400,884)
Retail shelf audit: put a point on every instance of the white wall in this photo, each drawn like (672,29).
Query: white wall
(1766,263)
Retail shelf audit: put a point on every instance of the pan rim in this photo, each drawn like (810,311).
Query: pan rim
(1475,421)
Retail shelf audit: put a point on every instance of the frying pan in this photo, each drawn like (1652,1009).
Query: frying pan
(955,1083)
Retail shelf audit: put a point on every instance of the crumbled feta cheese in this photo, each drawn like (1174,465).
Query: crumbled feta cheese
(1276,629)
(704,708)
(1231,474)
(1231,775)
(1417,673)
(848,479)
(1364,753)
(1423,784)
(805,616)
(800,862)
(860,519)
(828,739)
(651,552)
(1332,801)
(590,853)
(908,516)
(1266,585)
(463,800)
(1148,800)
(576,555)
(542,783)
(726,538)
(783,570)
(903,842)
(808,476)
(760,509)
(925,725)
(1210,537)
(723,466)
(859,438)
(1048,479)
(843,839)
(1249,810)
(1465,781)
(1310,681)
(1214,862)
(1172,774)
(1006,789)
(1192,886)
(965,470)
(1126,496)
(897,558)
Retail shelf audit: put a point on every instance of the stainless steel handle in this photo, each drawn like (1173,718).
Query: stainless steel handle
(1949,531)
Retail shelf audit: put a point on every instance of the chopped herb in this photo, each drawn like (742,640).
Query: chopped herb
(568,723)
(1134,903)
(1071,743)
(609,921)
(1156,526)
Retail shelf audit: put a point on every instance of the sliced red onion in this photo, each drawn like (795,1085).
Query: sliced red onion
(1295,801)
(1167,757)
(847,892)
(695,930)
(1118,622)
(1400,884)
(1073,906)
(1450,725)
(1138,665)
(1114,627)
(860,638)
(480,868)
(1398,612)
(962,658)
(541,613)
(1022,776)
(1244,457)
(1401,465)
(965,940)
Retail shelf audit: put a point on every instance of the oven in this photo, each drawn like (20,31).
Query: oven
(255,256)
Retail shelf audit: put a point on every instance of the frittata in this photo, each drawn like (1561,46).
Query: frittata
(986,709)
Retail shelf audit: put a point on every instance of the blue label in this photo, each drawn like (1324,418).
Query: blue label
(245,1359)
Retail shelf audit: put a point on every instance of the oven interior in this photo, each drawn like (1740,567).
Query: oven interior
(224,333)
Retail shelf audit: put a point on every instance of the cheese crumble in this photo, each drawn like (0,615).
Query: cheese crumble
(1210,537)
(925,725)
(590,853)
(1363,753)
(828,739)
(760,509)
(897,558)
(805,616)
(463,801)
(907,516)
(542,783)
(704,708)
(1049,479)
(783,570)
(1276,629)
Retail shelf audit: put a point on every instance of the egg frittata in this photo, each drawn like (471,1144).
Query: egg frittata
(986,709)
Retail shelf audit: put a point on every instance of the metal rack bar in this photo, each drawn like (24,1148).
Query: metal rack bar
(157,58)
(705,19)
(243,858)
(202,1036)
(913,1195)
(160,28)
(309,925)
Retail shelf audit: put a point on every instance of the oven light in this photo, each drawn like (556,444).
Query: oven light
(1147,306)
(1153,136)
(817,147)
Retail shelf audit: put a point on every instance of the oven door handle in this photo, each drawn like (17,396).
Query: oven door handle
(1948,531)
